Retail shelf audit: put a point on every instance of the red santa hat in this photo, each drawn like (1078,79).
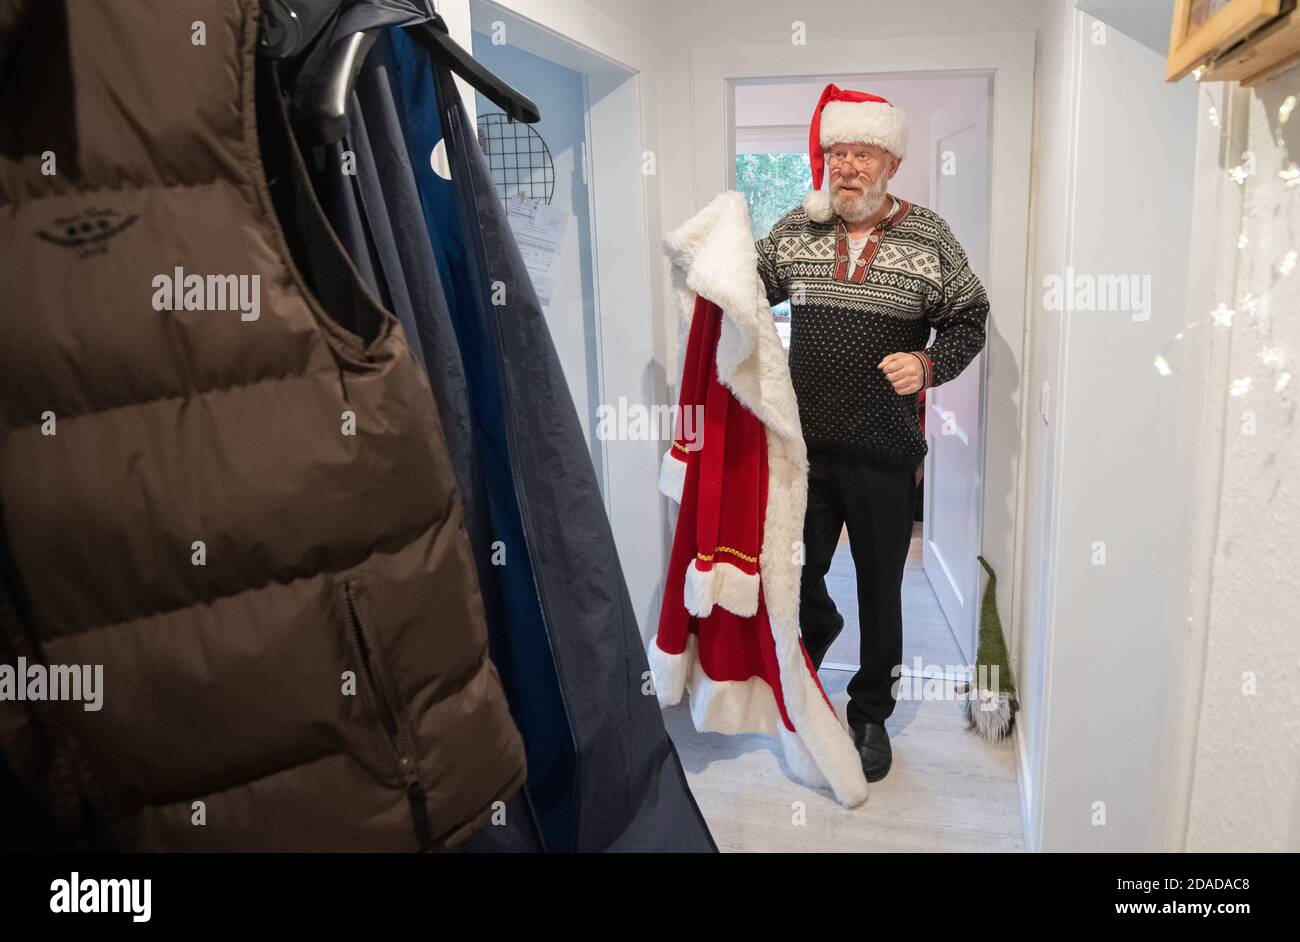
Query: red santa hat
(845,116)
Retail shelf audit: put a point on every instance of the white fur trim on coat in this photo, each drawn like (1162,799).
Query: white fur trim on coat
(749,706)
(670,670)
(725,585)
(870,122)
(713,255)
(672,475)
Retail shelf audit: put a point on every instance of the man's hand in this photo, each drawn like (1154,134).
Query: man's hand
(904,372)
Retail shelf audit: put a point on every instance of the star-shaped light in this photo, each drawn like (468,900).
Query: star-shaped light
(1223,315)
(1240,386)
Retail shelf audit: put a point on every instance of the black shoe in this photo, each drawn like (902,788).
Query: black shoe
(872,743)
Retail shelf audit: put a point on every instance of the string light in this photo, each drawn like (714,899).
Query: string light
(1271,356)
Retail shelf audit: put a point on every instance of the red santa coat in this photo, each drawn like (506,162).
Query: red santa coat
(729,625)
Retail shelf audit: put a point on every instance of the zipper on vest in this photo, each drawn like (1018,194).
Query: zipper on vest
(383,701)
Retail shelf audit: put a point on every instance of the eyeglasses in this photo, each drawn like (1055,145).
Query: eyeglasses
(860,161)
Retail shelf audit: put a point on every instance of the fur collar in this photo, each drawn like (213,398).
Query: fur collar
(713,255)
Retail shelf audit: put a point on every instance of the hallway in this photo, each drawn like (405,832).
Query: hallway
(948,790)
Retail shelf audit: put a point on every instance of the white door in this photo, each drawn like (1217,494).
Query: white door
(959,191)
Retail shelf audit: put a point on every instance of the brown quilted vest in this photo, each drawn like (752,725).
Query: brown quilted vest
(244,512)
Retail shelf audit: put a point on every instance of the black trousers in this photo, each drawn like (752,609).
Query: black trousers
(878,506)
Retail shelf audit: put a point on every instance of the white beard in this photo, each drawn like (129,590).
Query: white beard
(858,208)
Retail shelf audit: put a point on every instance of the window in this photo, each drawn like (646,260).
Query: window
(772,184)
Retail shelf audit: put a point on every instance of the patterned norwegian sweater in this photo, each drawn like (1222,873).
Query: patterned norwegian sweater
(912,275)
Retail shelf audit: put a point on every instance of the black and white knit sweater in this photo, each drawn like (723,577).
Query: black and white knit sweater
(846,318)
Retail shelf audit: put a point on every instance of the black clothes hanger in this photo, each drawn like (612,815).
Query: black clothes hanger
(437,41)
(289,26)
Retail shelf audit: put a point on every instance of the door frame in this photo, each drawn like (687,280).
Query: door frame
(1008,56)
(615,63)
(967,632)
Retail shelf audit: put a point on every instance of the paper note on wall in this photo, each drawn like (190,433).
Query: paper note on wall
(539,231)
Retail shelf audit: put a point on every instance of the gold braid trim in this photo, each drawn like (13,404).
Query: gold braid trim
(727,549)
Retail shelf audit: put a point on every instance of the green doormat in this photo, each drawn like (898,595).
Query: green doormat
(991,707)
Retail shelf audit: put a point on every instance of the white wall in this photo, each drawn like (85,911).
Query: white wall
(1110,482)
(1244,766)
(1028,647)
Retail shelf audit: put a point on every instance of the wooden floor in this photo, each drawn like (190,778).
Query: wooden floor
(948,790)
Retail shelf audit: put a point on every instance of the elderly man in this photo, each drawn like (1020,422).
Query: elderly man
(867,275)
